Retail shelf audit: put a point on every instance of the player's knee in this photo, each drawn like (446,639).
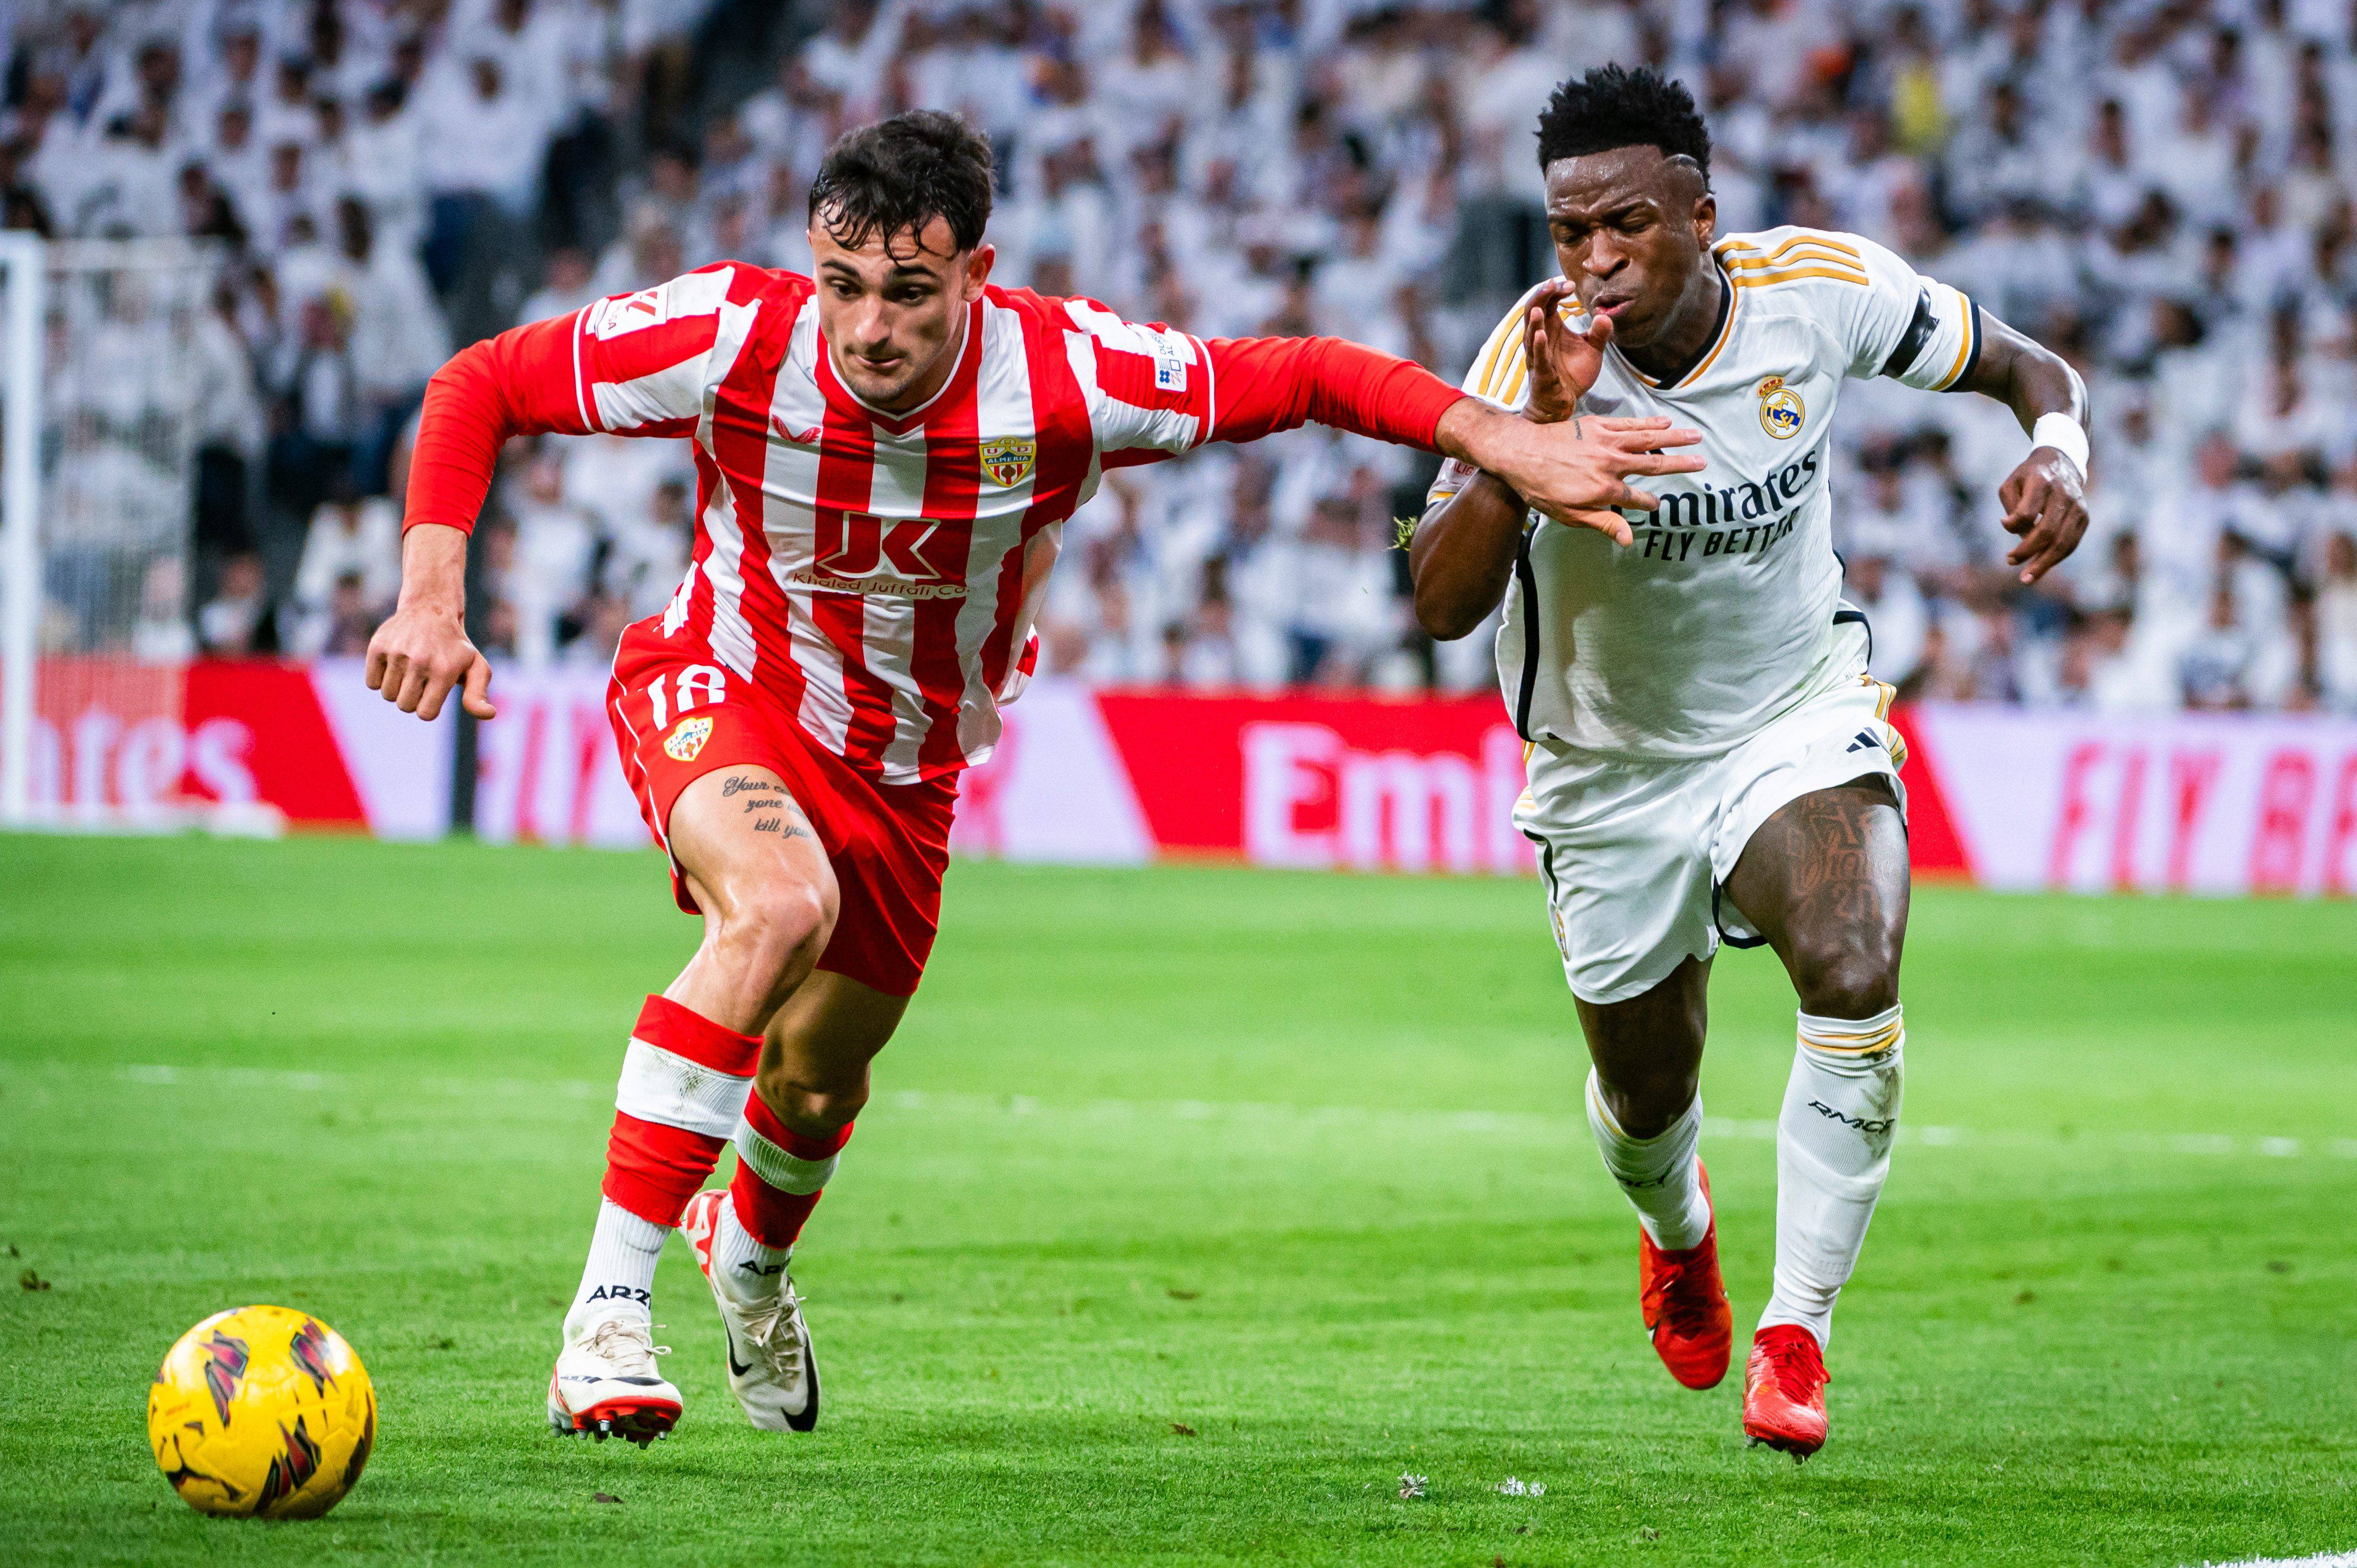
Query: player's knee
(1846,980)
(1644,1101)
(779,928)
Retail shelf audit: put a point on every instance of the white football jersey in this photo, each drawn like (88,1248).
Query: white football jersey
(1720,615)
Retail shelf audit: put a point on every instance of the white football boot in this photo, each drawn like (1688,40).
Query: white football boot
(605,1384)
(772,1369)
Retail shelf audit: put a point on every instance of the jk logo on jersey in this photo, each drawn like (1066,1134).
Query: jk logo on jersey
(1780,409)
(1008,459)
(904,558)
(688,739)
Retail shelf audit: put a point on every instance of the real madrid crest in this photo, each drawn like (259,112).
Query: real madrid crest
(1008,459)
(683,743)
(1780,409)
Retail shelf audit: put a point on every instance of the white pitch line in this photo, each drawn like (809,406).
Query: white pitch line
(2329,1560)
(1534,1125)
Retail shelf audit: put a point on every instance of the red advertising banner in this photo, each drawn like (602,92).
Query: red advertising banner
(2009,797)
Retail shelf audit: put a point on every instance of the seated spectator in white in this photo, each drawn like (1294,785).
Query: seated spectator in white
(853,56)
(1908,525)
(350,537)
(646,557)
(237,163)
(2237,661)
(286,112)
(564,285)
(2283,419)
(233,75)
(2215,668)
(162,635)
(351,620)
(2336,624)
(1207,658)
(793,122)
(481,147)
(614,481)
(386,161)
(1344,612)
(555,548)
(1895,614)
(602,619)
(229,621)
(128,190)
(2127,670)
(315,376)
(289,204)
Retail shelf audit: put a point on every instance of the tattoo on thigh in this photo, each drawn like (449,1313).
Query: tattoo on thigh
(787,821)
(1832,861)
(732,788)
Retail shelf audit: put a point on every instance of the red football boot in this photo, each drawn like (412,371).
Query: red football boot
(1784,1391)
(1685,1307)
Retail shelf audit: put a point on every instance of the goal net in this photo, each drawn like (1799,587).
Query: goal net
(100,362)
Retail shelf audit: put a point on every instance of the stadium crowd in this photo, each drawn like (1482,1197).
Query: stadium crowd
(2161,188)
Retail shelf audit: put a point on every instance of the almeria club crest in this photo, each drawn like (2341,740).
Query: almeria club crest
(1008,459)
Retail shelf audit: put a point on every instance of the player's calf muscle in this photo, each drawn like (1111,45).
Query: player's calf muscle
(814,1069)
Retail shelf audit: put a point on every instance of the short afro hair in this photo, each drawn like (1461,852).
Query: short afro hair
(898,175)
(1610,108)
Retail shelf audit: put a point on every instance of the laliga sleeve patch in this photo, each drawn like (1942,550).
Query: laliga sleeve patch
(687,739)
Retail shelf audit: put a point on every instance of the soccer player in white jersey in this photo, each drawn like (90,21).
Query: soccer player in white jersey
(886,454)
(1709,758)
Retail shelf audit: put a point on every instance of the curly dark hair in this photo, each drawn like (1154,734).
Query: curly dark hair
(1611,107)
(898,175)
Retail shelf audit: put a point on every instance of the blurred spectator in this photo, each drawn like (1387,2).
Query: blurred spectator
(232,622)
(352,540)
(2336,624)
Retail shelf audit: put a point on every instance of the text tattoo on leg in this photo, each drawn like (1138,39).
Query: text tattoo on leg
(786,820)
(1833,871)
(1825,880)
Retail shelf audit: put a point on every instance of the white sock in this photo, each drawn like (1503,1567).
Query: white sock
(1661,1174)
(618,1280)
(747,1270)
(1832,1151)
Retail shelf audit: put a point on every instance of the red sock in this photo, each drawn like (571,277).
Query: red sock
(684,1079)
(779,1174)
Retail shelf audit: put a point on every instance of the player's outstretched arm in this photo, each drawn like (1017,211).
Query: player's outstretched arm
(1464,548)
(520,383)
(2045,498)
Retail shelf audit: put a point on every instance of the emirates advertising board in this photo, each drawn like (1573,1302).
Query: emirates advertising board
(2011,797)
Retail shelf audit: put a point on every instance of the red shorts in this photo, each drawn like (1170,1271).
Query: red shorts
(677,715)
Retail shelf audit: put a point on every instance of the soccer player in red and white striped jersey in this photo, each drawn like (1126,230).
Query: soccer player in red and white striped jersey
(885,453)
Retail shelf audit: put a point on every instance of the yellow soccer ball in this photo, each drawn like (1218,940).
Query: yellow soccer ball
(261,1411)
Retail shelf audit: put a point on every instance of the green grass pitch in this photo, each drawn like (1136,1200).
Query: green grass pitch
(1195,1207)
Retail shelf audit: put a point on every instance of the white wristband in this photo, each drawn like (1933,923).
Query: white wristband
(2061,432)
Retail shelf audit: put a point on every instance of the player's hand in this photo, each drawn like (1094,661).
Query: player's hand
(2045,502)
(1562,363)
(1578,472)
(421,654)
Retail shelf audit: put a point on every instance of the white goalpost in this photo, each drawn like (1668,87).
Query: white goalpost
(101,401)
(23,276)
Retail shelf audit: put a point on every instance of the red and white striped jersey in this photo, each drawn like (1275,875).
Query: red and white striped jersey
(868,569)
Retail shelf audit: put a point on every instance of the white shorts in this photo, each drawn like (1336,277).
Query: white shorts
(1634,852)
